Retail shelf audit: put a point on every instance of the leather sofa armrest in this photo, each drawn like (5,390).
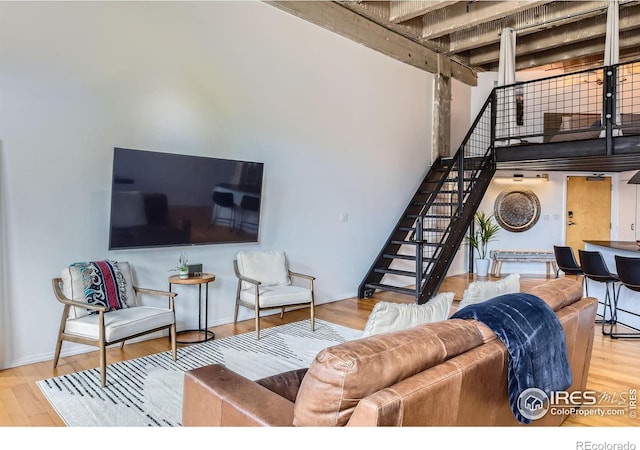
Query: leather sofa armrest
(217,396)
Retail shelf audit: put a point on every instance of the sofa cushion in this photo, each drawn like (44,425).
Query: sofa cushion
(348,372)
(479,291)
(559,292)
(386,317)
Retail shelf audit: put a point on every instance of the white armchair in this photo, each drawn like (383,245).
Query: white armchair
(101,308)
(265,282)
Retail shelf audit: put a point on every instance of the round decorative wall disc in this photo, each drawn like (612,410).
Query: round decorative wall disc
(517,209)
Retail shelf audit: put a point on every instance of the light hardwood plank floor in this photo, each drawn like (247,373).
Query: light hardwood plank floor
(614,364)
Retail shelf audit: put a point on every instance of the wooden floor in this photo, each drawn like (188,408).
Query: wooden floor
(615,364)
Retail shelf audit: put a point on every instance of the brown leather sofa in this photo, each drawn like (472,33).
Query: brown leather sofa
(441,374)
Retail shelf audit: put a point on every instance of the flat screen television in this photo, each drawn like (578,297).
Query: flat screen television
(166,199)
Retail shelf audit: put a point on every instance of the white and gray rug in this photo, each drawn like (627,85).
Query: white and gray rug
(147,391)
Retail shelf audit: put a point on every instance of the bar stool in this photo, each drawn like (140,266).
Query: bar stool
(566,261)
(628,269)
(595,269)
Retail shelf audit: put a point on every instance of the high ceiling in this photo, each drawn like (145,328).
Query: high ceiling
(559,34)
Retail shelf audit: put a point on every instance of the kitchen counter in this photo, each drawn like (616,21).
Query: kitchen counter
(627,246)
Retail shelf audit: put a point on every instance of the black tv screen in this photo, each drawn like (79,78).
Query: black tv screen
(165,199)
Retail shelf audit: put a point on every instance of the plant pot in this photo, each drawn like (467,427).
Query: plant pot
(482,267)
(184,274)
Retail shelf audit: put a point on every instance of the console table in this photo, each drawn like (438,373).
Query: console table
(203,279)
(545,256)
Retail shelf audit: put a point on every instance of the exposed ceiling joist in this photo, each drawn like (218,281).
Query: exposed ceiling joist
(629,45)
(589,29)
(404,10)
(543,18)
(463,15)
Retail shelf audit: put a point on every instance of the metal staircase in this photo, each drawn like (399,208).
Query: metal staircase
(424,241)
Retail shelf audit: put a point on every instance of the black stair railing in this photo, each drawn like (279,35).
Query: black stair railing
(438,215)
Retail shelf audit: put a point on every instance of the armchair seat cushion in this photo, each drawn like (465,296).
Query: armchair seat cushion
(277,295)
(121,323)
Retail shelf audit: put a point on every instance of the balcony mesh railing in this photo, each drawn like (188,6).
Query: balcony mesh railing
(581,105)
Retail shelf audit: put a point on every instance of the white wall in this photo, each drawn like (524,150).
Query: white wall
(339,127)
(549,229)
(629,210)
(461,95)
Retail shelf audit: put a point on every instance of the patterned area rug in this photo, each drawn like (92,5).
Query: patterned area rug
(147,391)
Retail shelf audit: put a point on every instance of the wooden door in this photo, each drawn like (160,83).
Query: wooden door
(588,214)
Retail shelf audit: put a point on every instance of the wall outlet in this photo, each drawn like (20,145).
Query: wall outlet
(344,217)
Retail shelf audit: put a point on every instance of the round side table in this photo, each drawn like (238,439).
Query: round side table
(203,279)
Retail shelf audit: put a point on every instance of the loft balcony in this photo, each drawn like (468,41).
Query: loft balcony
(583,121)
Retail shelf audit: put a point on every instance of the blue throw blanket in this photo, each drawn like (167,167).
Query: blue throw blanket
(534,338)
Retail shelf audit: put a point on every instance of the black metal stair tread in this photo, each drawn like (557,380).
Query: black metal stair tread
(404,273)
(429,216)
(429,230)
(428,244)
(388,287)
(405,257)
(437,203)
(429,193)
(425,230)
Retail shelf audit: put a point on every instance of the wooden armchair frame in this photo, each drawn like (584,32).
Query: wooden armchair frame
(256,305)
(100,342)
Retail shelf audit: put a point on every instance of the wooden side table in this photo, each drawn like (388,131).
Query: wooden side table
(203,279)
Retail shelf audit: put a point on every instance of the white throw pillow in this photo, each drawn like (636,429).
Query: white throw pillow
(480,291)
(386,317)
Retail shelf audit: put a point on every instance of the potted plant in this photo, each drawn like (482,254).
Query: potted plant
(485,231)
(182,267)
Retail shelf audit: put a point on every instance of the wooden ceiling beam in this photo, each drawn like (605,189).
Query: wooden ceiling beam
(526,22)
(463,15)
(379,12)
(629,43)
(588,29)
(403,10)
(338,19)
